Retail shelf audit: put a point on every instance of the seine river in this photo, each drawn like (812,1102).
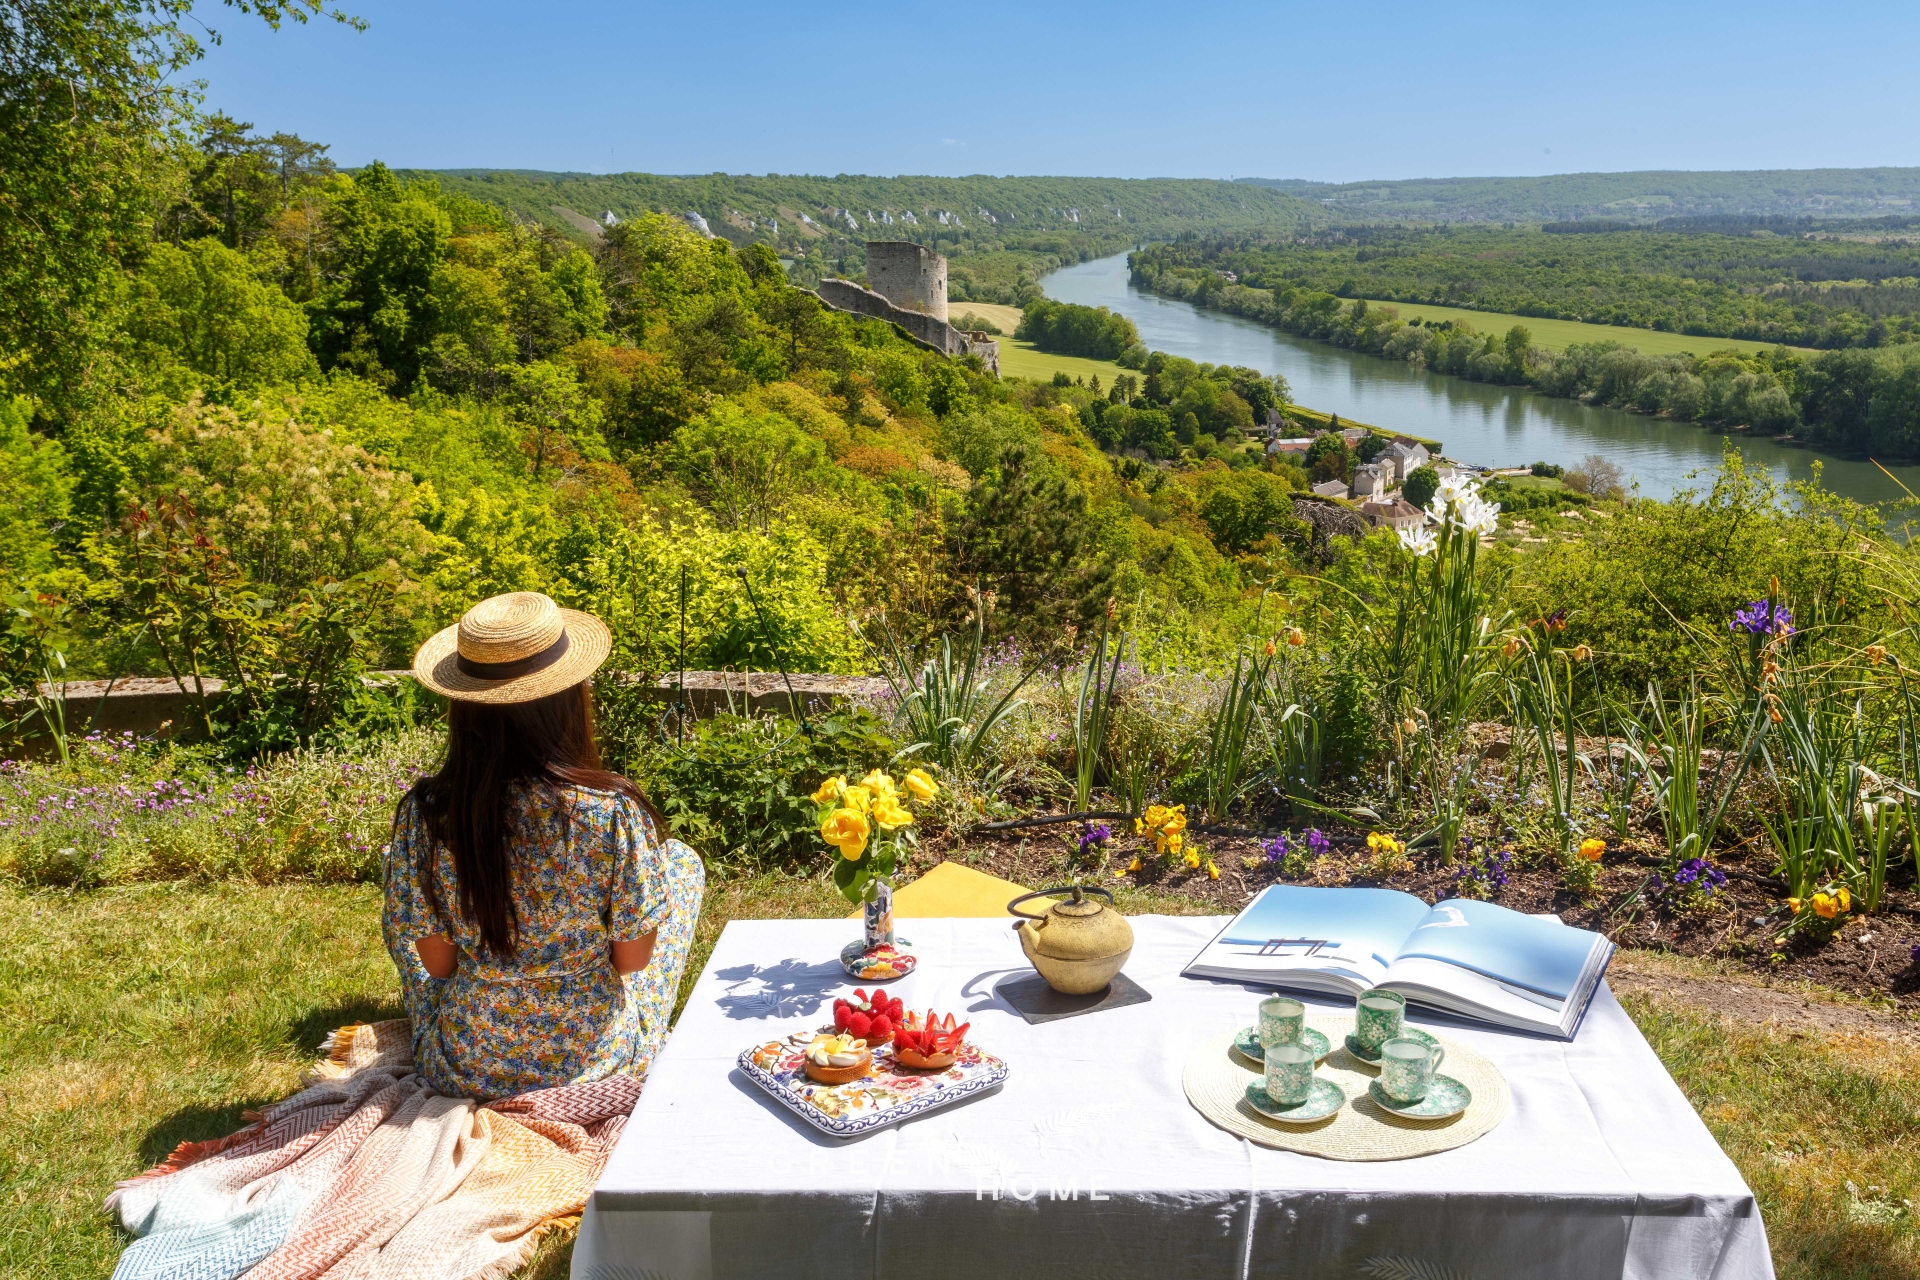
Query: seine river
(1477,423)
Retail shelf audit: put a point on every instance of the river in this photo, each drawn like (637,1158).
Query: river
(1476,423)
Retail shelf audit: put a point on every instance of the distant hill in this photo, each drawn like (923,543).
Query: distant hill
(1654,194)
(824,223)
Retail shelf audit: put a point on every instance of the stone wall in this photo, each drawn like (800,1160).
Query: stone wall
(929,331)
(908,276)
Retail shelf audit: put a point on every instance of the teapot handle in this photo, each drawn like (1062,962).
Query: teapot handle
(1077,890)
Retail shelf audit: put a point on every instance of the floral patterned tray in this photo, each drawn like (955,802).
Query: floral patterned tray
(891,1094)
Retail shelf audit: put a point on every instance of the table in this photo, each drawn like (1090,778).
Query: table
(1089,1161)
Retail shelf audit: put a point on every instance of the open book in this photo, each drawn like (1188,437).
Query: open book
(1531,973)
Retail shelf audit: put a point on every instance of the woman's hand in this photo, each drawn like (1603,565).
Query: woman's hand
(632,957)
(438,954)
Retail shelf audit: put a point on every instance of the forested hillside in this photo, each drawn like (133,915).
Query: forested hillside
(1644,195)
(1000,233)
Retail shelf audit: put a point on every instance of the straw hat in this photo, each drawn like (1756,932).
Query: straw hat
(513,648)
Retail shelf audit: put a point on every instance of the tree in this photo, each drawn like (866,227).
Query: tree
(204,306)
(747,466)
(1420,486)
(1597,476)
(1241,508)
(1027,540)
(90,110)
(1328,459)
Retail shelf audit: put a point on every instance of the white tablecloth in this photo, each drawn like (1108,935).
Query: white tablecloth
(1089,1161)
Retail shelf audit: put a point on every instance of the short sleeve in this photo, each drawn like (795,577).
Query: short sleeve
(407,917)
(637,899)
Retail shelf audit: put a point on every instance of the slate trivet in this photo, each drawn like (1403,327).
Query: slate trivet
(1037,1002)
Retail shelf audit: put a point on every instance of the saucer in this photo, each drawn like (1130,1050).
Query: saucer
(882,964)
(1248,1043)
(1326,1098)
(1373,1055)
(1445,1097)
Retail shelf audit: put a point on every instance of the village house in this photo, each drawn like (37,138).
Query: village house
(1404,455)
(1330,489)
(1370,480)
(1295,449)
(1393,513)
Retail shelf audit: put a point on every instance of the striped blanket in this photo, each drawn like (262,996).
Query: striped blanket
(367,1174)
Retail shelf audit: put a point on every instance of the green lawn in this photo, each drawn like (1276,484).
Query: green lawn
(136,1018)
(1558,335)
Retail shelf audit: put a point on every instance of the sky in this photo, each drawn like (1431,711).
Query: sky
(1334,92)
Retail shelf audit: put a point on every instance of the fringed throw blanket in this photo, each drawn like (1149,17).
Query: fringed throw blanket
(367,1173)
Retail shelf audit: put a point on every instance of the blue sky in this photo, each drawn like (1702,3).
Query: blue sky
(1329,91)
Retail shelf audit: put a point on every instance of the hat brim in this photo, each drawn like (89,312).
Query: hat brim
(437,665)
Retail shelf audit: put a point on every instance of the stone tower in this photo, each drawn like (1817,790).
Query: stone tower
(908,276)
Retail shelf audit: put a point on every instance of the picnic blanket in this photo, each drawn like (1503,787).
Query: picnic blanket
(368,1174)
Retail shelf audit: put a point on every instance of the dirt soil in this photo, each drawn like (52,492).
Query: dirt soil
(1744,925)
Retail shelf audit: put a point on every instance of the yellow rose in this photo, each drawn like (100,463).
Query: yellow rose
(859,799)
(830,790)
(846,830)
(921,785)
(891,814)
(880,784)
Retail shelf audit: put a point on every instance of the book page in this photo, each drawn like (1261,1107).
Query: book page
(1532,959)
(1295,929)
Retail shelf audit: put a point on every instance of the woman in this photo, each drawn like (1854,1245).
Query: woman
(537,914)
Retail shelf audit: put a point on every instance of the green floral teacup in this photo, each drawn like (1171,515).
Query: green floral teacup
(1281,1019)
(1289,1072)
(1378,1018)
(1407,1067)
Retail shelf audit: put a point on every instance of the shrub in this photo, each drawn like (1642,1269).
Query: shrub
(739,788)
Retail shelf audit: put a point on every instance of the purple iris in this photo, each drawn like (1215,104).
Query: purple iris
(1763,618)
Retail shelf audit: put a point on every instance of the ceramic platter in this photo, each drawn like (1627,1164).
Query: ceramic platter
(1445,1097)
(1325,1099)
(1372,1056)
(881,964)
(892,1093)
(1247,1041)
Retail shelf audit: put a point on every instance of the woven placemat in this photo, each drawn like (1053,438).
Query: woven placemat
(1216,1080)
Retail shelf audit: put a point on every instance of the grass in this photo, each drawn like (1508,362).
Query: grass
(1558,335)
(138,1017)
(1019,359)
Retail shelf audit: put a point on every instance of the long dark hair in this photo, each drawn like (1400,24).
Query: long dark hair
(547,742)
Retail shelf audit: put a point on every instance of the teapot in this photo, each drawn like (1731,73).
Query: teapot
(1077,945)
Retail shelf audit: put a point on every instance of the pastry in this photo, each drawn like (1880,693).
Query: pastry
(838,1059)
(870,1018)
(929,1043)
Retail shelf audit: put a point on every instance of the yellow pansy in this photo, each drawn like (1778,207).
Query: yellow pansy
(1824,906)
(846,830)
(1213,872)
(1590,850)
(858,799)
(1381,842)
(830,790)
(1845,899)
(920,785)
(891,814)
(1793,905)
(1193,856)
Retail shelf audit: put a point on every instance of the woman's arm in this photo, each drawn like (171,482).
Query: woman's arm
(438,954)
(632,957)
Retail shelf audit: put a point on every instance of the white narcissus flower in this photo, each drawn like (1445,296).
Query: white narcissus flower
(1418,541)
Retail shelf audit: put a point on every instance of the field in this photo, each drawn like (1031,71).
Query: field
(1558,335)
(1023,359)
(123,1039)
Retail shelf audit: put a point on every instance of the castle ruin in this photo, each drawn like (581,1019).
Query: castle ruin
(909,289)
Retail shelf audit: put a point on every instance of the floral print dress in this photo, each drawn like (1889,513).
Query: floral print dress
(589,869)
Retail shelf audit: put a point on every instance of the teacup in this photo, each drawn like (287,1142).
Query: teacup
(1289,1072)
(1407,1067)
(1378,1018)
(1281,1020)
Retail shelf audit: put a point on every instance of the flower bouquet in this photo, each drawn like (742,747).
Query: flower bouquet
(868,822)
